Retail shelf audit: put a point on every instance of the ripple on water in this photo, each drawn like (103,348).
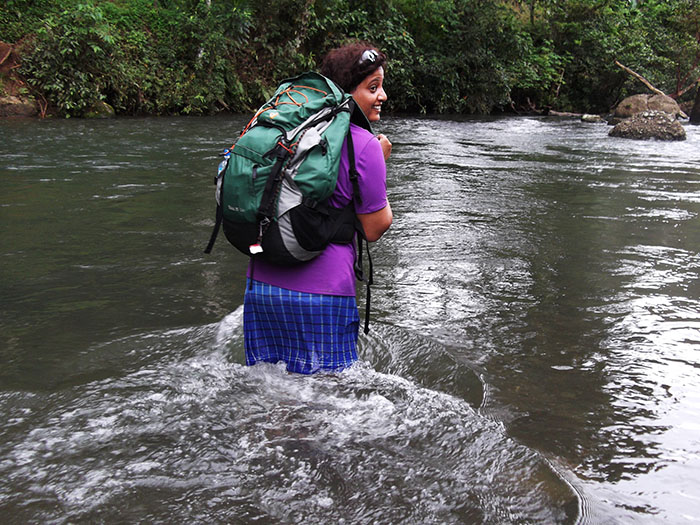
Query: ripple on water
(208,439)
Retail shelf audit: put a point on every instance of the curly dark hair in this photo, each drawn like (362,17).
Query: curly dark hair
(345,67)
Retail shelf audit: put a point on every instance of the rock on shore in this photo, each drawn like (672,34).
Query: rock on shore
(17,107)
(12,101)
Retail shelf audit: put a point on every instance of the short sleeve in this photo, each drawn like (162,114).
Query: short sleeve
(372,177)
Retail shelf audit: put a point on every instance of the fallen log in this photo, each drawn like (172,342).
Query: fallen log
(564,114)
(640,78)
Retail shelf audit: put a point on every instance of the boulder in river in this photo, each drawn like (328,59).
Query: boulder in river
(635,104)
(649,125)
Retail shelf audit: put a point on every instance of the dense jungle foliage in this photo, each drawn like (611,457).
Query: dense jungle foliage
(468,56)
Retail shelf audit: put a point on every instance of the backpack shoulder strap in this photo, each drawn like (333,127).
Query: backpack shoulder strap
(215,231)
(357,199)
(218,181)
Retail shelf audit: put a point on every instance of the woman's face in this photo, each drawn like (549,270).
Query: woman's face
(370,95)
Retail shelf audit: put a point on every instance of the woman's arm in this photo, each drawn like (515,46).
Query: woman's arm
(375,224)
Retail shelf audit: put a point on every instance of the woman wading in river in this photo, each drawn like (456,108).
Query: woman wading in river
(306,316)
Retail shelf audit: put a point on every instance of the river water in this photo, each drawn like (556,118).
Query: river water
(533,357)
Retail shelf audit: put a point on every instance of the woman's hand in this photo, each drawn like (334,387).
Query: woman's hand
(385,144)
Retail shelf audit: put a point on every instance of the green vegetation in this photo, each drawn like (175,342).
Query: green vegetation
(468,56)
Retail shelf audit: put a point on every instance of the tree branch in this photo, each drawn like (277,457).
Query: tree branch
(641,79)
(688,87)
(7,54)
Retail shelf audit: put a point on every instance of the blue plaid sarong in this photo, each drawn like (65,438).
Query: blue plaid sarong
(309,332)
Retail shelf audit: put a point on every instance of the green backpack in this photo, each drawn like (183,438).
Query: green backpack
(274,182)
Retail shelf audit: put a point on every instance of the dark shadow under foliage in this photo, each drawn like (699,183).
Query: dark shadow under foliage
(446,56)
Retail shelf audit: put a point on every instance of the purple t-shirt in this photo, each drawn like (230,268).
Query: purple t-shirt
(332,273)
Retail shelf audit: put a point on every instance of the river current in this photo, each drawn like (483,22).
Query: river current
(533,353)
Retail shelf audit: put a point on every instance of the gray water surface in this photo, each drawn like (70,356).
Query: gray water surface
(533,355)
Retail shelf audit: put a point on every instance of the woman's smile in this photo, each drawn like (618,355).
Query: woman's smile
(370,95)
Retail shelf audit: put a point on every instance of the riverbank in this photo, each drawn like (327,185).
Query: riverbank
(15,100)
(19,99)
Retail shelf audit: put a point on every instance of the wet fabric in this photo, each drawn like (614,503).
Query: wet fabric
(308,332)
